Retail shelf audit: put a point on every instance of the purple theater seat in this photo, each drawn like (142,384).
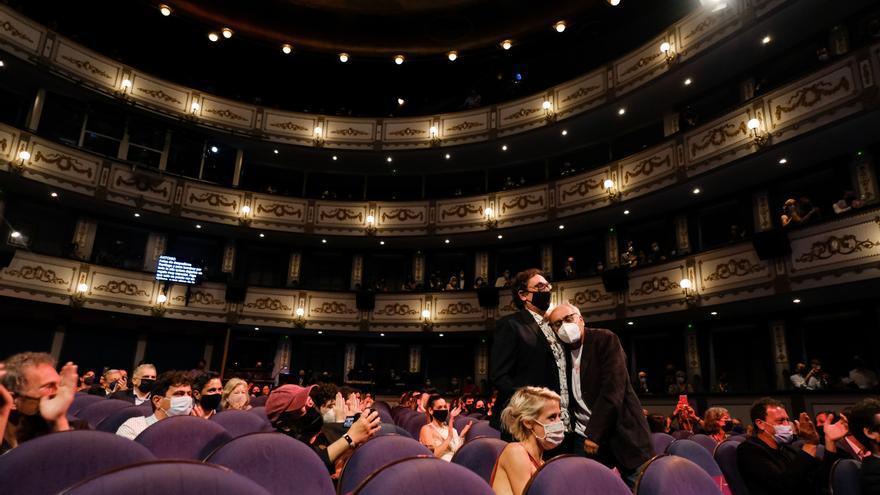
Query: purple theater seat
(398,411)
(81,400)
(391,429)
(167,477)
(573,475)
(277,462)
(674,475)
(423,476)
(705,441)
(725,456)
(479,455)
(259,411)
(183,437)
(481,429)
(385,416)
(845,477)
(259,401)
(680,434)
(238,423)
(697,454)
(99,411)
(738,438)
(374,454)
(461,421)
(661,441)
(401,417)
(115,420)
(414,424)
(51,463)
(380,405)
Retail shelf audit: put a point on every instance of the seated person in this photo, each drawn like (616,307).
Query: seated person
(40,397)
(207,392)
(717,423)
(235,396)
(440,435)
(532,417)
(143,378)
(864,423)
(172,396)
(770,465)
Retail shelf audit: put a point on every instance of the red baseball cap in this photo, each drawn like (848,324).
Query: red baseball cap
(286,398)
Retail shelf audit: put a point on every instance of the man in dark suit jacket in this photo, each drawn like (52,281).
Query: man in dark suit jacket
(607,417)
(864,424)
(142,379)
(524,351)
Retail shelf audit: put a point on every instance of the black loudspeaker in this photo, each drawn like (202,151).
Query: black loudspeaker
(365,300)
(488,297)
(235,293)
(771,244)
(616,279)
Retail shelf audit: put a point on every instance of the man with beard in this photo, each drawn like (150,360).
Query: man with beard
(292,411)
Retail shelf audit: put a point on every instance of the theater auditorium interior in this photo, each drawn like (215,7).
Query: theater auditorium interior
(440,247)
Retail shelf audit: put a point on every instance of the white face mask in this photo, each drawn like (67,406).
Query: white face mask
(180,406)
(329,416)
(569,333)
(554,434)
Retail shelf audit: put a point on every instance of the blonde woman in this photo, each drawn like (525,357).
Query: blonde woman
(533,418)
(235,395)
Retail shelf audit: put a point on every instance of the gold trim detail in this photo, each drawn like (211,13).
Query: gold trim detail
(522,112)
(580,93)
(159,95)
(350,131)
(655,285)
(719,135)
(396,309)
(341,214)
(63,162)
(203,298)
(289,126)
(334,308)
(582,188)
(121,287)
(460,308)
(269,303)
(403,215)
(37,273)
(466,125)
(644,61)
(9,28)
(734,268)
(522,202)
(226,114)
(808,97)
(460,211)
(279,210)
(589,296)
(409,131)
(833,246)
(213,199)
(86,65)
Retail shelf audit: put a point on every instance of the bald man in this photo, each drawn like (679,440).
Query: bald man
(608,421)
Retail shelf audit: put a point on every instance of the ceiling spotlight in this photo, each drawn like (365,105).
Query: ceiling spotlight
(506,44)
(688,81)
(381,335)
(696,190)
(343,57)
(626,212)
(401,101)
(53,194)
(381,243)
(15,234)
(564,132)
(286,49)
(275,151)
(783,161)
(227,33)
(198,226)
(257,329)
(213,36)
(2,63)
(389,159)
(398,59)
(561,227)
(766,40)
(164,9)
(323,241)
(441,334)
(796,301)
(214,149)
(621,111)
(452,55)
(447,156)
(335,158)
(714,313)
(137,215)
(630,323)
(320,332)
(500,236)
(446,241)
(504,147)
(559,26)
(614,3)
(262,235)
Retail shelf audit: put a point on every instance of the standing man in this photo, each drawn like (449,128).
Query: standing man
(142,379)
(525,350)
(608,421)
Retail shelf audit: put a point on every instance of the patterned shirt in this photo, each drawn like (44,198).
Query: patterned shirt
(559,356)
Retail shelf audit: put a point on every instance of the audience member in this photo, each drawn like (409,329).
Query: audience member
(207,391)
(849,202)
(503,280)
(533,419)
(680,386)
(569,270)
(812,380)
(142,381)
(864,423)
(440,435)
(86,381)
(793,214)
(642,385)
(110,382)
(235,396)
(717,423)
(171,396)
(686,418)
(40,397)
(722,385)
(861,376)
(659,423)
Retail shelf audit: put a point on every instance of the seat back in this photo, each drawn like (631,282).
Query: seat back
(705,441)
(661,441)
(674,475)
(725,456)
(678,435)
(480,455)
(845,477)
(374,454)
(260,401)
(423,476)
(695,453)
(96,412)
(277,462)
(238,423)
(183,437)
(414,424)
(391,429)
(81,400)
(51,463)
(573,475)
(481,429)
(115,420)
(189,477)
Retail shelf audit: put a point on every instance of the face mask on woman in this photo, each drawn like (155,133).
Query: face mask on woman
(440,415)
(554,434)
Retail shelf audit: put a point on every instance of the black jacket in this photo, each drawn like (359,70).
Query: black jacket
(126,395)
(870,474)
(768,471)
(617,422)
(520,356)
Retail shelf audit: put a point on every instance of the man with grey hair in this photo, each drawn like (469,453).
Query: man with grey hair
(607,417)
(142,379)
(40,396)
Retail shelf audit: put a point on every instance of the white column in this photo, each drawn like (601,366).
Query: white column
(761,211)
(239,159)
(481,266)
(682,238)
(228,265)
(282,358)
(780,352)
(481,363)
(865,178)
(357,271)
(57,342)
(611,253)
(36,112)
(139,351)
(348,365)
(156,245)
(419,268)
(293,268)
(84,238)
(415,359)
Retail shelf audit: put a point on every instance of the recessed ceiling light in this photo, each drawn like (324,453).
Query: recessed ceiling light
(164,9)
(504,147)
(614,3)
(446,241)
(53,194)
(783,161)
(447,156)
(2,63)
(561,227)
(626,212)
(621,111)
(452,55)
(198,226)
(401,101)
(335,158)
(564,132)
(343,57)
(262,235)
(688,81)
(323,241)
(137,215)
(275,151)
(381,243)
(214,149)
(796,301)
(500,236)
(630,323)
(389,159)
(398,59)
(766,40)
(257,328)
(696,190)
(227,33)
(381,335)
(559,26)
(320,332)
(714,313)
(441,334)
(213,36)
(286,48)
(506,44)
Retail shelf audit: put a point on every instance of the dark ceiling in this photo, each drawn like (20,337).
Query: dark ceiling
(251,67)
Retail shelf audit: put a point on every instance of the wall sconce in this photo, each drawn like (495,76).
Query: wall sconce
(299,319)
(491,218)
(158,309)
(613,193)
(319,136)
(668,52)
(245,216)
(79,297)
(426,318)
(759,136)
(435,135)
(23,157)
(124,87)
(371,225)
(690,297)
(194,109)
(549,115)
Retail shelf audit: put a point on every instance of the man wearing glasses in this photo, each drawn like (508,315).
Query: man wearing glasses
(607,417)
(525,350)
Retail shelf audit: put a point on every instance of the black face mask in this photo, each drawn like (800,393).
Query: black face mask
(541,300)
(304,427)
(440,415)
(728,427)
(146,385)
(210,402)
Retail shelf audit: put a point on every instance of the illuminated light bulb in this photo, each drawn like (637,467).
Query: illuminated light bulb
(335,158)
(343,57)
(227,33)
(621,111)
(506,44)
(164,9)
(489,212)
(783,161)
(15,234)
(161,298)
(559,26)
(195,106)
(245,209)
(318,131)
(685,283)
(213,36)
(426,313)
(300,311)
(447,156)
(286,49)
(24,155)
(753,123)
(401,101)
(82,288)
(608,184)
(398,59)
(561,227)
(504,147)
(452,55)
(371,219)
(126,83)
(665,47)
(564,132)
(696,190)
(433,130)
(766,40)
(614,3)
(546,105)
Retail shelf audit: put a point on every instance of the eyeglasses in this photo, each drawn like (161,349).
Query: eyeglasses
(569,318)
(540,287)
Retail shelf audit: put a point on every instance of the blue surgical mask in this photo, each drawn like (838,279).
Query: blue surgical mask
(784,434)
(180,406)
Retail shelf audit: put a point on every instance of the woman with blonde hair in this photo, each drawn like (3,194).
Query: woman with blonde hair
(235,395)
(533,418)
